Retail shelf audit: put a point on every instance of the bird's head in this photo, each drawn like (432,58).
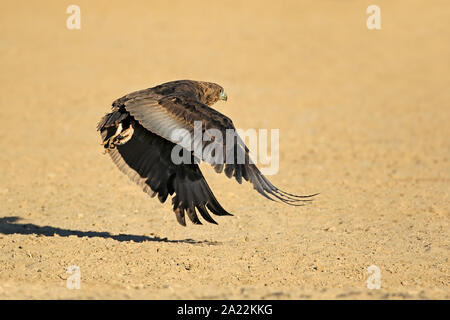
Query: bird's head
(212,92)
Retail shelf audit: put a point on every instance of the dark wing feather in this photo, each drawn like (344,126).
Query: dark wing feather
(163,115)
(113,118)
(146,160)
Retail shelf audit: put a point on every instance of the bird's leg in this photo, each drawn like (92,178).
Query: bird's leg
(109,143)
(124,135)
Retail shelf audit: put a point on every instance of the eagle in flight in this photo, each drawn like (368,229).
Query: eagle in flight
(138,134)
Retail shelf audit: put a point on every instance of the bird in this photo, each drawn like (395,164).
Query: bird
(138,134)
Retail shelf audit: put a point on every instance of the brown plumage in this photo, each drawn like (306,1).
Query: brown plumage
(138,134)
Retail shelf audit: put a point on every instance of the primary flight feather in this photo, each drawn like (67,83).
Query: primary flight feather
(139,135)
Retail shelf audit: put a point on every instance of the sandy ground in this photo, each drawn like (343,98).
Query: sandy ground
(363,117)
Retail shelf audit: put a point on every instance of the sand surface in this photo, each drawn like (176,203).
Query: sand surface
(363,117)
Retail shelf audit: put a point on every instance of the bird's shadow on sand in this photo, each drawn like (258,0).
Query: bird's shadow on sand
(8,225)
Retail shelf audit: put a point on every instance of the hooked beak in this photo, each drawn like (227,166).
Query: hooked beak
(223,96)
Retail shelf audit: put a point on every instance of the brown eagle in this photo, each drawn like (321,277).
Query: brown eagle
(138,134)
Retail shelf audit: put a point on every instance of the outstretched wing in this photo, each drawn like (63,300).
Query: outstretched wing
(146,160)
(169,115)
